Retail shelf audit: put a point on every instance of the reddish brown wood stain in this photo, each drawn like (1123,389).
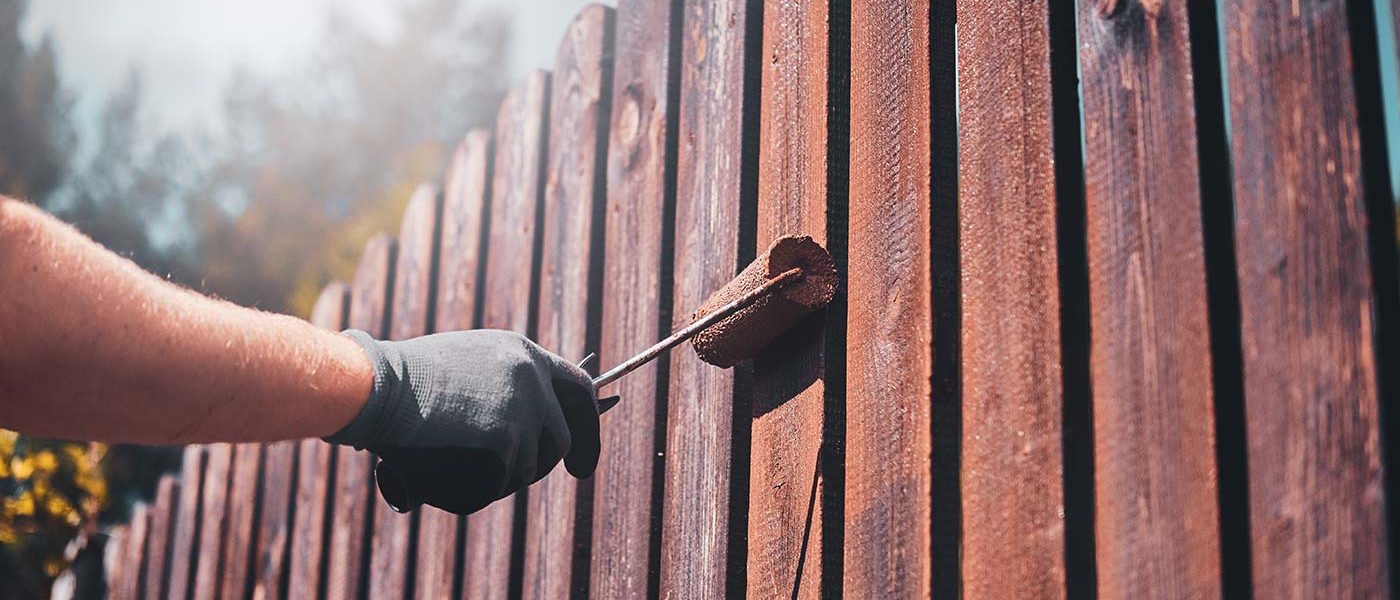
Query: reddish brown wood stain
(889,360)
(390,549)
(163,517)
(238,537)
(639,159)
(1154,433)
(314,465)
(1305,304)
(369,298)
(183,553)
(785,480)
(695,519)
(459,264)
(516,193)
(214,501)
(572,205)
(274,525)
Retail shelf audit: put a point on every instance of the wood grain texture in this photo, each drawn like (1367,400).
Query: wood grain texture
(184,557)
(1315,486)
(1013,523)
(314,478)
(464,198)
(354,487)
(786,484)
(1156,516)
(163,516)
(511,281)
(698,529)
(242,506)
(134,558)
(214,517)
(270,557)
(558,526)
(636,293)
(889,361)
(390,555)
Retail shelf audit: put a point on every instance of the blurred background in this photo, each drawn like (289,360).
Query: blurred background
(245,149)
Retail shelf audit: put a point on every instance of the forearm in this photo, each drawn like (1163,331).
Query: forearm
(92,347)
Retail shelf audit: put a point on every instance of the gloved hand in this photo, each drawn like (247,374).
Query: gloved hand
(460,420)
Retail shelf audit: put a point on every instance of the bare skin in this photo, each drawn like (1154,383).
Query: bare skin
(94,348)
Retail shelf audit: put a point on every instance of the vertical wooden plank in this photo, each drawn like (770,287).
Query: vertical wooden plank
(214,516)
(1154,456)
(636,293)
(1306,304)
(1013,536)
(133,557)
(346,575)
(511,281)
(114,558)
(392,550)
(242,506)
(558,526)
(459,265)
(715,179)
(314,481)
(184,556)
(163,516)
(274,521)
(789,492)
(889,361)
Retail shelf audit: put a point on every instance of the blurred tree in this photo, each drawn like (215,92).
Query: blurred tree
(34,112)
(49,491)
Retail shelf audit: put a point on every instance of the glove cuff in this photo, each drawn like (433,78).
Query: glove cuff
(375,417)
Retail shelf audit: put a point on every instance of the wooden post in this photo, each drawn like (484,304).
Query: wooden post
(184,557)
(242,506)
(214,516)
(163,523)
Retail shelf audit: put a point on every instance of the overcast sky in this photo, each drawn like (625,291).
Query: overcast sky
(185,49)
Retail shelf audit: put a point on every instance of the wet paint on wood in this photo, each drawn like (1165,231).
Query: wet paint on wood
(889,359)
(636,296)
(163,523)
(347,573)
(242,508)
(391,543)
(315,475)
(1154,472)
(464,198)
(184,558)
(702,538)
(790,498)
(214,514)
(558,527)
(510,286)
(1306,306)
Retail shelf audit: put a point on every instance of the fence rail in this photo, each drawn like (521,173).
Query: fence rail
(1119,316)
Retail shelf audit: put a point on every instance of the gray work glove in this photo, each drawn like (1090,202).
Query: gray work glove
(460,420)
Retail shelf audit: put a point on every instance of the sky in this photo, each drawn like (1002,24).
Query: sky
(186,49)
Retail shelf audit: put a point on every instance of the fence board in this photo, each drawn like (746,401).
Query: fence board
(464,198)
(715,186)
(275,519)
(184,558)
(1317,520)
(636,309)
(214,514)
(354,489)
(1154,436)
(134,557)
(115,562)
(242,506)
(163,516)
(559,519)
(1013,526)
(392,546)
(314,479)
(510,287)
(790,495)
(889,361)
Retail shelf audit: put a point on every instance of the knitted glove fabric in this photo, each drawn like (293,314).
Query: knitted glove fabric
(462,419)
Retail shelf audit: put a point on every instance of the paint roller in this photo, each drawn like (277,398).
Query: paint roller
(792,279)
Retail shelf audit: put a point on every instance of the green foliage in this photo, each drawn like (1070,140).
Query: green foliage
(49,491)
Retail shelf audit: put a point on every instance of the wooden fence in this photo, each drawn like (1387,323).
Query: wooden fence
(1119,316)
